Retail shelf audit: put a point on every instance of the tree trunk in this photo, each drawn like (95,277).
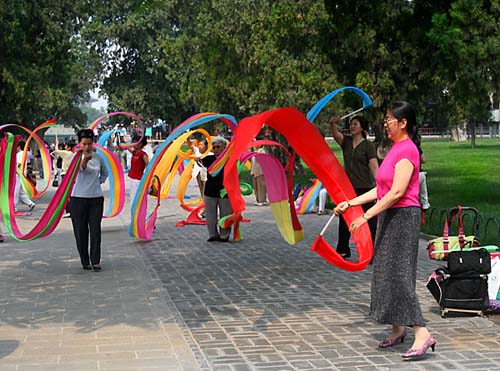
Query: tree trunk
(472,135)
(280,154)
(459,132)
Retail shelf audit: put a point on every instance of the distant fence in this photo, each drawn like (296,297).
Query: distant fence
(482,131)
(440,132)
(486,229)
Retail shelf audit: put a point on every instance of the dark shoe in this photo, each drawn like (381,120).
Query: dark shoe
(96,267)
(416,353)
(87,267)
(213,238)
(387,343)
(1,238)
(345,255)
(223,239)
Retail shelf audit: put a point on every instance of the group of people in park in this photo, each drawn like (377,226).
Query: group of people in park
(388,192)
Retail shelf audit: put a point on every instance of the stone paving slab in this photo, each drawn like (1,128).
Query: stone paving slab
(180,303)
(55,316)
(260,304)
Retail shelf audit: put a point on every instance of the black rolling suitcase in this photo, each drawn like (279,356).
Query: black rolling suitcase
(466,293)
(466,290)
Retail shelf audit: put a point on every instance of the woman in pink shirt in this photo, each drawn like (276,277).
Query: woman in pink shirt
(393,297)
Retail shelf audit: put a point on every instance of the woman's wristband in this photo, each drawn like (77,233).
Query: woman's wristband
(348,204)
(364,217)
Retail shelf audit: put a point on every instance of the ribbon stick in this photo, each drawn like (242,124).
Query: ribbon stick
(330,220)
(352,113)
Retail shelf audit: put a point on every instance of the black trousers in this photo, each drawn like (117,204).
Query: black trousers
(86,216)
(344,235)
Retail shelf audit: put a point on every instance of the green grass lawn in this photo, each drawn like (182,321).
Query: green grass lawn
(456,174)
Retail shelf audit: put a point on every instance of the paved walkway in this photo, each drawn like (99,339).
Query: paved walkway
(180,303)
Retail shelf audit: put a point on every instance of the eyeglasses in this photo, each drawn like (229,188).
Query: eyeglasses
(216,146)
(389,121)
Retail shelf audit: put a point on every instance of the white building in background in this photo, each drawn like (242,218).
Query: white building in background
(62,132)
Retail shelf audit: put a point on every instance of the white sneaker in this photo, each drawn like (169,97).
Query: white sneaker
(67,215)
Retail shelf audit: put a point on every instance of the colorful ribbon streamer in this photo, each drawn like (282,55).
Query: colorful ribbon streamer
(52,215)
(30,190)
(140,225)
(308,199)
(301,134)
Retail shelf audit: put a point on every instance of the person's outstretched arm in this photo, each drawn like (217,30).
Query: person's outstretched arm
(337,135)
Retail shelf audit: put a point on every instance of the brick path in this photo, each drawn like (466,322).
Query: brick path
(180,303)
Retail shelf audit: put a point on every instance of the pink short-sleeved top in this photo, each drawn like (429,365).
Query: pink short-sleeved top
(404,149)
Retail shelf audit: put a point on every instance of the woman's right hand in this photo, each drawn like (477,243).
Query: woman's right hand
(341,207)
(334,121)
(86,156)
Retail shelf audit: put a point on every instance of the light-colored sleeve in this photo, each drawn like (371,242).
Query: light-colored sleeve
(103,172)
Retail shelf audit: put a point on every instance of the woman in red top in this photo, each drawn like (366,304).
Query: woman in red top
(138,163)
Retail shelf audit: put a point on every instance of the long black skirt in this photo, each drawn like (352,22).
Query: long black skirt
(393,297)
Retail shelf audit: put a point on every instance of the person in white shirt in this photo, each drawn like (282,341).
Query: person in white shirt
(87,202)
(199,171)
(19,194)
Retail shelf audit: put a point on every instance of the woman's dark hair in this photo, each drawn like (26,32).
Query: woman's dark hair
(364,124)
(404,110)
(71,144)
(85,133)
(143,141)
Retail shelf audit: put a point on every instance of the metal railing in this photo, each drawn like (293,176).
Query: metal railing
(486,229)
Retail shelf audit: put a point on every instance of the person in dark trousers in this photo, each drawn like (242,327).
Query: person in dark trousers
(216,207)
(87,202)
(361,166)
